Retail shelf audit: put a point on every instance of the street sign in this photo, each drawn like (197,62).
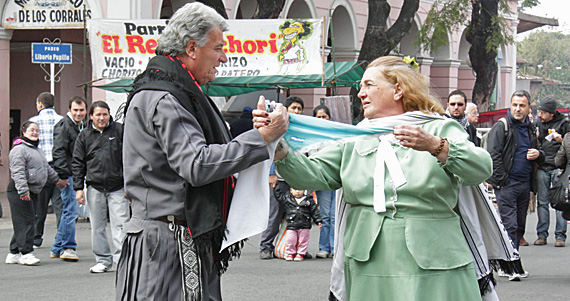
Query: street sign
(51,53)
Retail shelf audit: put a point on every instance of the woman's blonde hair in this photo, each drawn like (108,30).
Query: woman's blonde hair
(414,85)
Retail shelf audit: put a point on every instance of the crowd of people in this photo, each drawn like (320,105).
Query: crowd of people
(165,180)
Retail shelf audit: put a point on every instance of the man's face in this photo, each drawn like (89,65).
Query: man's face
(295,108)
(209,57)
(78,111)
(473,115)
(100,118)
(545,116)
(520,108)
(456,106)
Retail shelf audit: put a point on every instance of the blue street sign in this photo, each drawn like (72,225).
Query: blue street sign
(51,53)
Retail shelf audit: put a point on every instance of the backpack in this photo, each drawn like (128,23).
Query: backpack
(484,138)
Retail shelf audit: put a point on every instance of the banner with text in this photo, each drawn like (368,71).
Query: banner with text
(121,49)
(45,14)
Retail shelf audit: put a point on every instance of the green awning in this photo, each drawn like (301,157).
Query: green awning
(346,74)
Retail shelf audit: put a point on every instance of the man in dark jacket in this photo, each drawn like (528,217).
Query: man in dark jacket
(243,124)
(456,105)
(514,151)
(64,134)
(98,161)
(552,126)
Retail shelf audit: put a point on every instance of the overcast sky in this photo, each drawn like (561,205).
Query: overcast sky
(558,9)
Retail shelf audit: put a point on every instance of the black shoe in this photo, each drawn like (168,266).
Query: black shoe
(266,255)
(308,256)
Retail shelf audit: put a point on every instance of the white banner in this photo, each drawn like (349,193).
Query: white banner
(121,48)
(45,14)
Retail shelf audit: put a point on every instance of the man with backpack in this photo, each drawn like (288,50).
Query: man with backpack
(514,148)
(552,126)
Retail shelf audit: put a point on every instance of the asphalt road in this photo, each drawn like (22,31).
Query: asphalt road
(249,278)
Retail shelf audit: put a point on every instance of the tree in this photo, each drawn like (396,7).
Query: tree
(486,31)
(379,40)
(546,56)
(266,9)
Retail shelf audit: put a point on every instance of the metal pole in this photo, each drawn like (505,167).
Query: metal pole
(52,78)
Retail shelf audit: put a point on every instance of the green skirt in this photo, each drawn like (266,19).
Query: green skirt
(392,274)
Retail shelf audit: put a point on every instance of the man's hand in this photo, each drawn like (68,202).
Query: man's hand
(272,181)
(62,183)
(532,154)
(25,198)
(272,125)
(80,197)
(557,137)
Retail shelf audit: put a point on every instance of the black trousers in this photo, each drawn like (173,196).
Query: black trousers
(512,201)
(49,192)
(23,217)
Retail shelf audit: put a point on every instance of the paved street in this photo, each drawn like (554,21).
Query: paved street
(248,278)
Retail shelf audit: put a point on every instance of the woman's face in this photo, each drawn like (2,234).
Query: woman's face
(32,132)
(379,97)
(322,114)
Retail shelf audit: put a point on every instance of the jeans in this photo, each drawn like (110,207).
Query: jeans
(49,192)
(512,201)
(22,222)
(327,205)
(545,178)
(65,238)
(116,205)
(276,211)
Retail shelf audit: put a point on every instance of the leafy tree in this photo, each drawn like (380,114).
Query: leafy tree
(486,31)
(380,39)
(546,55)
(266,9)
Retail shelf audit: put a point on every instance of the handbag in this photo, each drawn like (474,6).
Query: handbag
(559,192)
(281,241)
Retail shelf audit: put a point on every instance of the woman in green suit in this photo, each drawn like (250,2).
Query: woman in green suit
(402,239)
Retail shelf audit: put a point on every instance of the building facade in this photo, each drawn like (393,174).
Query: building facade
(26,22)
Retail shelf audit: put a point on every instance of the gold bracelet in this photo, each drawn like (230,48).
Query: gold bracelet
(440,147)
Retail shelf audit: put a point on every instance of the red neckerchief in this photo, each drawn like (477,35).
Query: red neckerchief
(184,67)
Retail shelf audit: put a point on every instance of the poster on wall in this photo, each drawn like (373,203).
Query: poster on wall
(45,14)
(122,48)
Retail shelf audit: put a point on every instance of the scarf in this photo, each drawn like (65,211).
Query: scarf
(30,142)
(463,120)
(206,207)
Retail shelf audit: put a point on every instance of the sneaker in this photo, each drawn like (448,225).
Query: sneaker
(290,257)
(29,259)
(540,241)
(69,255)
(13,258)
(524,275)
(308,255)
(515,277)
(266,254)
(98,268)
(36,247)
(53,254)
(502,273)
(323,254)
(559,242)
(299,257)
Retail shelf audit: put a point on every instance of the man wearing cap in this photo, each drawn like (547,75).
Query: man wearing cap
(551,127)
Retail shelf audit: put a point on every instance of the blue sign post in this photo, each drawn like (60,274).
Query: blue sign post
(51,53)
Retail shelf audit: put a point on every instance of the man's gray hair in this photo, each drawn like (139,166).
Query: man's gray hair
(470,106)
(193,21)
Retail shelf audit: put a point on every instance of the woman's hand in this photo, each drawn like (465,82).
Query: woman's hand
(417,138)
(25,198)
